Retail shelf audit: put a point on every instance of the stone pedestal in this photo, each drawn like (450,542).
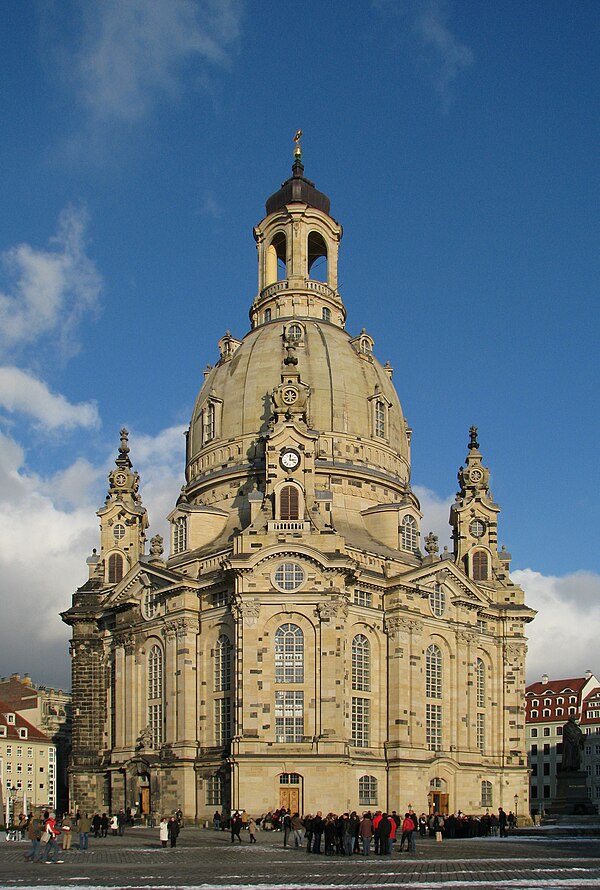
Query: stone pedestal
(571,796)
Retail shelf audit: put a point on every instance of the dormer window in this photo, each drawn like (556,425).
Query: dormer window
(10,719)
(409,534)
(180,534)
(3,732)
(22,732)
(380,419)
(209,422)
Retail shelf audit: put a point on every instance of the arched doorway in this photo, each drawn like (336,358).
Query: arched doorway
(290,796)
(438,796)
(139,797)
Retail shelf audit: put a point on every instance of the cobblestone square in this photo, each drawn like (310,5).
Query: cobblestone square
(207,859)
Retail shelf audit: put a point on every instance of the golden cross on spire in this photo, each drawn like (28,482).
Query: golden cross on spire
(298,148)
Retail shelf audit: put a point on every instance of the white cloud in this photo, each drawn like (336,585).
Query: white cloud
(563,638)
(445,54)
(22,393)
(132,53)
(436,514)
(48,526)
(49,290)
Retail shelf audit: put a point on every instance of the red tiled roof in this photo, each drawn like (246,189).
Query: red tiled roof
(33,733)
(556,687)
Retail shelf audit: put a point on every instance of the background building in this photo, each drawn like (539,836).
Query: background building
(28,762)
(300,645)
(549,704)
(49,710)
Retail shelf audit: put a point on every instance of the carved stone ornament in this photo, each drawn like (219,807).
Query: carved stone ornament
(336,607)
(465,636)
(179,627)
(125,639)
(514,652)
(396,625)
(144,740)
(248,611)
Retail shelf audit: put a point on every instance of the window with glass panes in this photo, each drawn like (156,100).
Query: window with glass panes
(360,722)
(222,662)
(361,663)
(409,534)
(433,726)
(155,695)
(367,791)
(289,654)
(222,720)
(289,715)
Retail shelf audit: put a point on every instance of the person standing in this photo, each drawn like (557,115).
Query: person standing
(85,824)
(217,820)
(252,830)
(365,832)
(317,830)
(173,830)
(438,827)
(105,825)
(502,822)
(34,833)
(297,829)
(67,831)
(236,827)
(163,831)
(408,826)
(384,832)
(287,826)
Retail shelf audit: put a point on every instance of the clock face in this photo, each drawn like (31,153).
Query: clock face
(120,479)
(289,459)
(476,475)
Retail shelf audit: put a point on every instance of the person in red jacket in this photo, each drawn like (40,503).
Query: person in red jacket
(50,854)
(408,826)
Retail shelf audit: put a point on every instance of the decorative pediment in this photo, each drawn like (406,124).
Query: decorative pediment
(143,578)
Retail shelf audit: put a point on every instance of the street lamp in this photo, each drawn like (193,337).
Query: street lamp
(516,801)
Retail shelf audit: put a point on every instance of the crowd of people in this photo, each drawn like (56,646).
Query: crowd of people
(347,834)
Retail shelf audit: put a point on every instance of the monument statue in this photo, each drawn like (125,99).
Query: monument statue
(572,746)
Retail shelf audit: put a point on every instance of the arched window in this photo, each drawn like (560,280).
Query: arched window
(480,565)
(267,315)
(486,794)
(361,663)
(289,654)
(326,314)
(289,503)
(293,333)
(367,791)
(437,600)
(317,257)
(155,695)
(180,534)
(276,259)
(209,422)
(480,681)
(433,672)
(409,534)
(433,689)
(115,568)
(222,661)
(380,419)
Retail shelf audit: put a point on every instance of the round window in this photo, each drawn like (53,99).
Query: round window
(294,333)
(477,528)
(289,576)
(119,531)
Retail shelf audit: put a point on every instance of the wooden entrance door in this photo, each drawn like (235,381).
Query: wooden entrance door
(145,801)
(289,797)
(438,802)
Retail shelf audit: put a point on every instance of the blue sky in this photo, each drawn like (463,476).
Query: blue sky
(458,143)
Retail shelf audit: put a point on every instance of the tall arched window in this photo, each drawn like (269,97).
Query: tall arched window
(209,422)
(289,654)
(433,690)
(380,419)
(222,661)
(480,566)
(180,534)
(486,794)
(480,680)
(155,695)
(361,663)
(289,503)
(317,256)
(115,568)
(409,534)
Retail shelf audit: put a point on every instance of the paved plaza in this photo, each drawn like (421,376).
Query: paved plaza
(207,859)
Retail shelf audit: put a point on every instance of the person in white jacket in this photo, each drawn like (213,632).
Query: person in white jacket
(163,831)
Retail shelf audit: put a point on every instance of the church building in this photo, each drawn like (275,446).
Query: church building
(298,641)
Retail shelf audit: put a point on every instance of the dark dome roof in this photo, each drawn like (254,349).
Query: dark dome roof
(298,190)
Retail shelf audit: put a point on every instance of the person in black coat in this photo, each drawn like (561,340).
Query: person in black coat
(173,830)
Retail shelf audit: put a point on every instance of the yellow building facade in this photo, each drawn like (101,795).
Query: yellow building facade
(301,643)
